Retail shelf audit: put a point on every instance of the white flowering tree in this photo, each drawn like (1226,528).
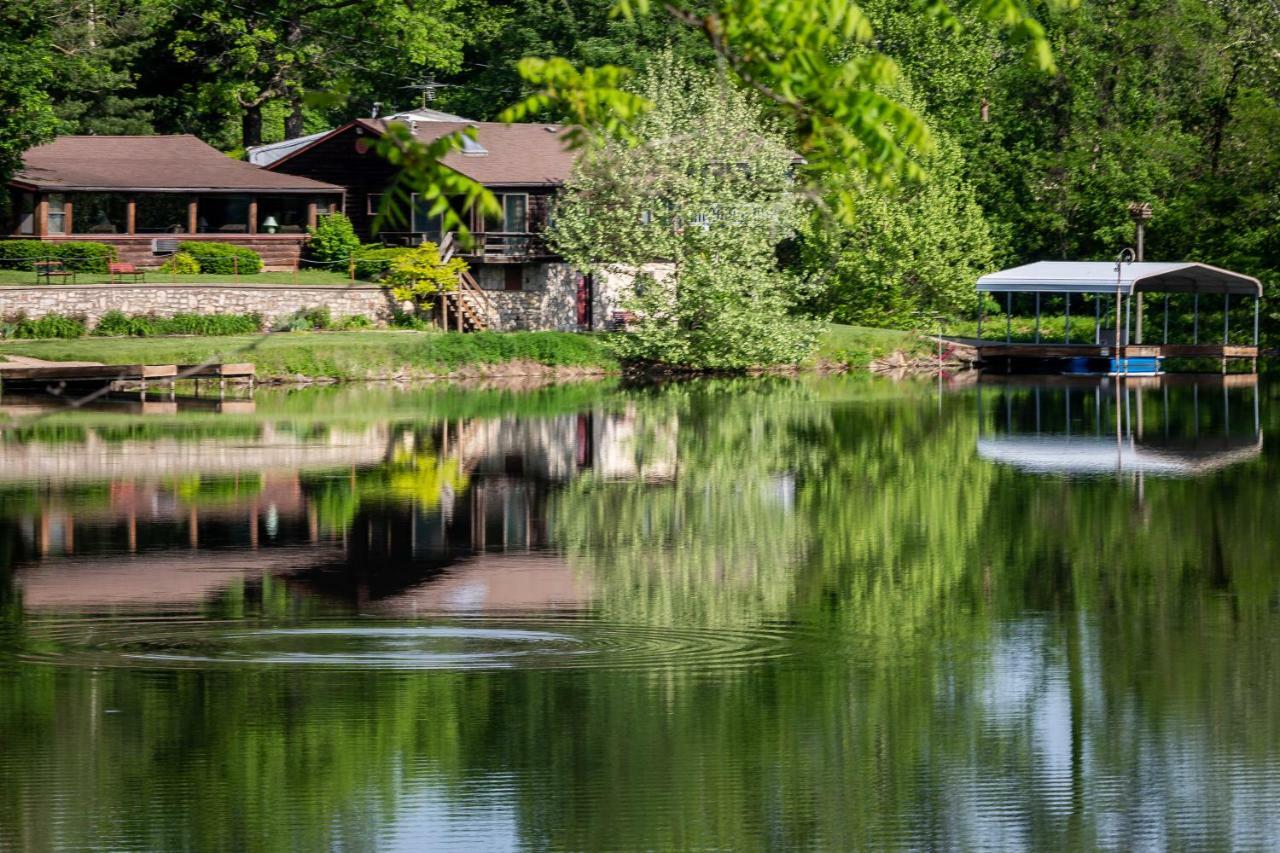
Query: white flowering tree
(690,208)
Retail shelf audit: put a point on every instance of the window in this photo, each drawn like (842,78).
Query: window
(282,214)
(223,214)
(373,201)
(57,213)
(160,213)
(423,221)
(515,213)
(514,280)
(100,213)
(26,213)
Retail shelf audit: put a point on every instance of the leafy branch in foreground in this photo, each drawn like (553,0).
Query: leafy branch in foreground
(446,193)
(593,98)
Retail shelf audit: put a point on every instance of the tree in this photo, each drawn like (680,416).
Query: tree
(97,50)
(278,51)
(26,117)
(910,251)
(705,196)
(421,275)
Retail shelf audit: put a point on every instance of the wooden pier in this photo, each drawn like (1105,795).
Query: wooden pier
(27,375)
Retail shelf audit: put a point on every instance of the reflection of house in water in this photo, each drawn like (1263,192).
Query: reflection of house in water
(1172,425)
(174,520)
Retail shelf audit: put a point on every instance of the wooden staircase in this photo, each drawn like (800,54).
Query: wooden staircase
(469,308)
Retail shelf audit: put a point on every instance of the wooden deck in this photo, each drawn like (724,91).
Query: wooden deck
(999,349)
(110,374)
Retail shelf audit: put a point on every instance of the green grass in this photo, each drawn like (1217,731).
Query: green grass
(305,276)
(338,355)
(858,346)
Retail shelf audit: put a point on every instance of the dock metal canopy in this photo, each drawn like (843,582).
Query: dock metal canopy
(1059,277)
(1113,291)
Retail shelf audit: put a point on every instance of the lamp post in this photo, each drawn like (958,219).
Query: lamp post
(1140,213)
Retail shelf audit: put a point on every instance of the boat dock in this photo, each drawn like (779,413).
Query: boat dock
(28,375)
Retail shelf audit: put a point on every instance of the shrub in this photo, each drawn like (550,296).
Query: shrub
(48,326)
(373,262)
(181,263)
(78,255)
(420,275)
(116,323)
(305,320)
(351,323)
(222,258)
(333,239)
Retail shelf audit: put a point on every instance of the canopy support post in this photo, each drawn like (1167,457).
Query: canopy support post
(1166,319)
(1037,316)
(1226,331)
(1195,320)
(1066,329)
(1097,319)
(982,310)
(1257,304)
(1008,317)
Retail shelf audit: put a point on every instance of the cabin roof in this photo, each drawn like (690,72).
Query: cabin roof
(149,163)
(502,155)
(1103,277)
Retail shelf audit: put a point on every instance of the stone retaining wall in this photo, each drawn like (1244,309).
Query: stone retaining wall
(273,302)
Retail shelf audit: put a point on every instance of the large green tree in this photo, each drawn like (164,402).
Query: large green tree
(689,212)
(26,115)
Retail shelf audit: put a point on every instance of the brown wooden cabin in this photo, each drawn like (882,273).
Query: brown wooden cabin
(144,194)
(523,164)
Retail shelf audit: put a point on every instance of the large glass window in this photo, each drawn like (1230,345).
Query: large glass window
(423,222)
(26,213)
(515,212)
(223,214)
(282,214)
(99,213)
(57,213)
(160,213)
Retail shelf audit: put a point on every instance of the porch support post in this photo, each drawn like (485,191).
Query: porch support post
(192,215)
(1066,329)
(42,215)
(68,215)
(131,216)
(1037,316)
(311,214)
(1008,317)
(253,214)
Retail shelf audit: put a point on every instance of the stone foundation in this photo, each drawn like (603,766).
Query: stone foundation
(271,301)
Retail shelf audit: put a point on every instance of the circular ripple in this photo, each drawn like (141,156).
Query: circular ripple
(476,643)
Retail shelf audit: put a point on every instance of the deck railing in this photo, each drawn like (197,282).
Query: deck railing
(485,244)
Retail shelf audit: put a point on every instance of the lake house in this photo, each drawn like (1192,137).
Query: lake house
(145,194)
(524,165)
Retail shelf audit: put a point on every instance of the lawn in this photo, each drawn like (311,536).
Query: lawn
(858,346)
(310,277)
(338,355)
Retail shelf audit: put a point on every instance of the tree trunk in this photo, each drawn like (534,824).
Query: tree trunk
(251,126)
(293,121)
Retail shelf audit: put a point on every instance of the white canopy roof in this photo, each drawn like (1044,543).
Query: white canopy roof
(1102,277)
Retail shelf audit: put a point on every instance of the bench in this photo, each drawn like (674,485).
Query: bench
(49,270)
(123,269)
(621,320)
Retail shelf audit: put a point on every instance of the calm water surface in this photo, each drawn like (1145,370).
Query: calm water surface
(730,615)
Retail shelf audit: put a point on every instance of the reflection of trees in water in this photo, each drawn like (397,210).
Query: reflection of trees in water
(980,655)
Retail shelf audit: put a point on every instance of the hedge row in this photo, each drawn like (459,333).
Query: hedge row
(75,255)
(223,258)
(119,324)
(116,323)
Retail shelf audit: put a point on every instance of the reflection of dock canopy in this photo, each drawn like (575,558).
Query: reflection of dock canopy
(1083,455)
(1102,277)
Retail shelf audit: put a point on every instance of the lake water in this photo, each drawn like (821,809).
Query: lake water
(736,615)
